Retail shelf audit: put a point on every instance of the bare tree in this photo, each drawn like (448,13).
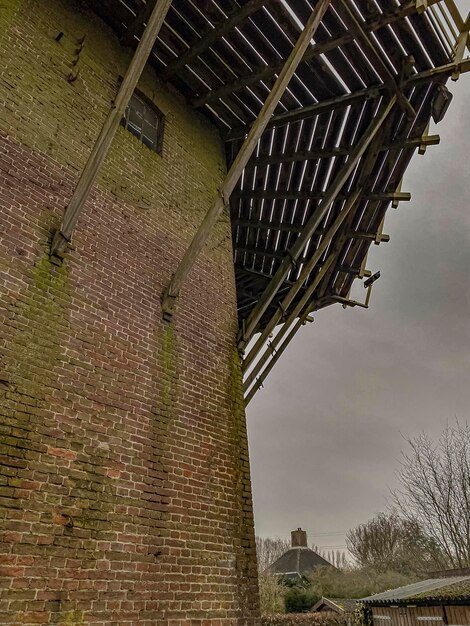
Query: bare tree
(435,490)
(389,542)
(269,549)
(336,558)
(319,551)
(340,560)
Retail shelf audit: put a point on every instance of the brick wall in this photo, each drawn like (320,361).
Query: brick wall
(125,480)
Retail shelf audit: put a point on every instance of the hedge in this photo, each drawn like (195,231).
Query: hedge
(304,619)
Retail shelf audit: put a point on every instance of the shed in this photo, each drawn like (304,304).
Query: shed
(335,605)
(299,560)
(435,601)
(342,606)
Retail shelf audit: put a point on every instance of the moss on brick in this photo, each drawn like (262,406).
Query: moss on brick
(71,618)
(124,438)
(8,10)
(63,119)
(246,554)
(45,305)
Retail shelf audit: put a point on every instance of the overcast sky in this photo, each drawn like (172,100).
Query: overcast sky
(326,430)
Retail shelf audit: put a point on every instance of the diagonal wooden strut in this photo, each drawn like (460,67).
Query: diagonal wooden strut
(258,383)
(170,295)
(110,126)
(249,328)
(297,286)
(374,56)
(299,314)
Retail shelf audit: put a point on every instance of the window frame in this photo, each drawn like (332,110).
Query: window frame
(149,104)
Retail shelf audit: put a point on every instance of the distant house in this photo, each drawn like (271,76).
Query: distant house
(343,606)
(443,599)
(299,560)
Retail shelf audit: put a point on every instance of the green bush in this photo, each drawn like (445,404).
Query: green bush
(298,600)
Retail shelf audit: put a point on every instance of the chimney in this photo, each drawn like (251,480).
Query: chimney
(299,538)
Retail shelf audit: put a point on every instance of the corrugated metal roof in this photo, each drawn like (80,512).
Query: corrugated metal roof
(415,589)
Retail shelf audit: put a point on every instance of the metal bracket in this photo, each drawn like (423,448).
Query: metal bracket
(346,302)
(352,303)
(168,301)
(59,245)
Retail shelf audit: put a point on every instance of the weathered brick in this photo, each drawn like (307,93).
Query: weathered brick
(123,444)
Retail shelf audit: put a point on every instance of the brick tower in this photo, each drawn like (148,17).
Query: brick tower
(126,488)
(183,182)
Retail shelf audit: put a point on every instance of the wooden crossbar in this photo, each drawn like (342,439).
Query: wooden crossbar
(295,252)
(171,293)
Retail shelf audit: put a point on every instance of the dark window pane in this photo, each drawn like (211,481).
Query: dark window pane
(150,143)
(144,121)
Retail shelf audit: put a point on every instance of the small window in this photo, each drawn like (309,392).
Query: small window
(144,120)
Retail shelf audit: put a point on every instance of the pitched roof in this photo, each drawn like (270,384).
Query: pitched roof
(299,560)
(339,605)
(432,588)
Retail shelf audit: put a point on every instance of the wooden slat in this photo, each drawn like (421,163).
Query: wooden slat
(310,227)
(264,73)
(211,36)
(234,173)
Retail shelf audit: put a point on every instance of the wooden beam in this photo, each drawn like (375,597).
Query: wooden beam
(210,37)
(267,72)
(456,15)
(171,293)
(374,57)
(266,194)
(273,344)
(255,274)
(461,45)
(272,254)
(313,110)
(437,72)
(355,271)
(103,143)
(292,156)
(376,237)
(306,271)
(295,252)
(267,225)
(258,383)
